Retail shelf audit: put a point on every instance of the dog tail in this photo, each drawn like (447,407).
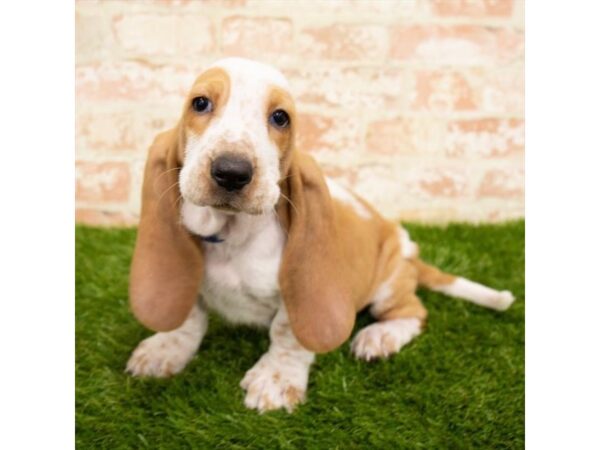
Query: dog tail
(434,279)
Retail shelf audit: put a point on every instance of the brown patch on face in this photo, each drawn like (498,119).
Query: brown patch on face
(282,137)
(213,84)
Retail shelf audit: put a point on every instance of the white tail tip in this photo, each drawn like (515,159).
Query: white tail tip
(478,294)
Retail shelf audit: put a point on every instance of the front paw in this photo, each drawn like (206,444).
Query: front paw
(272,384)
(161,355)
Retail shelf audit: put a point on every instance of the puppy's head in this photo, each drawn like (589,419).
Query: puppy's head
(237,135)
(235,141)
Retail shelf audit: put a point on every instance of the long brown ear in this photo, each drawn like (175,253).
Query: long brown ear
(167,264)
(312,276)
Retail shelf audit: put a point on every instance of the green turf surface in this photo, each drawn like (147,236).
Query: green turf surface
(458,385)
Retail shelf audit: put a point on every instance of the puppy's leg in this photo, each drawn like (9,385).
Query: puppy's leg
(399,312)
(165,354)
(279,378)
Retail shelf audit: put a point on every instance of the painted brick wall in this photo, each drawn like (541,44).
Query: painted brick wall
(418,105)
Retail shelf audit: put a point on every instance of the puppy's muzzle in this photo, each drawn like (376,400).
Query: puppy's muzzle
(231,172)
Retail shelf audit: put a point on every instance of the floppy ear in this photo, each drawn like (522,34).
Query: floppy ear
(312,274)
(167,264)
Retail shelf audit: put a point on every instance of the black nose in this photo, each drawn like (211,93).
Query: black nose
(231,172)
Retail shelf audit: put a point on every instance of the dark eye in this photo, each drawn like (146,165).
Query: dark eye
(202,105)
(279,118)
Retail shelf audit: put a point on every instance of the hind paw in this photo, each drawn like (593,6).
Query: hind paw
(383,339)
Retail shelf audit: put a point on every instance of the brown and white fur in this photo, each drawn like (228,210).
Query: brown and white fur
(297,253)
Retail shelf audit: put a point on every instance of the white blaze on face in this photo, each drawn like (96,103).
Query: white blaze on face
(241,126)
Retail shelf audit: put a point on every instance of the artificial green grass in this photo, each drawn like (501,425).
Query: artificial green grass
(458,385)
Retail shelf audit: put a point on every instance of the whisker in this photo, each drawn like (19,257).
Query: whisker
(287,233)
(290,202)
(167,190)
(162,195)
(164,173)
(288,176)
(177,200)
(171,170)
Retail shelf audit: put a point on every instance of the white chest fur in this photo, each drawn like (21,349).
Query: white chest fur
(240,279)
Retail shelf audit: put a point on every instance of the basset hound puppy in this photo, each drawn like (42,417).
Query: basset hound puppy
(237,220)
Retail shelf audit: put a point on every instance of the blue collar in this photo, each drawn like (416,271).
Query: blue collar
(213,238)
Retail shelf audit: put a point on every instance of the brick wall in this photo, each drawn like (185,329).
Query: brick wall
(418,105)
